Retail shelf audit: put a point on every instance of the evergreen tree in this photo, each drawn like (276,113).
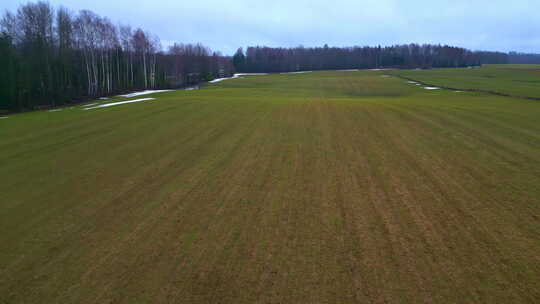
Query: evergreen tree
(239,60)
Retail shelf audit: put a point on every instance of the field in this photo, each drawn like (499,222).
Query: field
(325,187)
(514,79)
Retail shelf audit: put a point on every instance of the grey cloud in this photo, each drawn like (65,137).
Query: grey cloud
(226,25)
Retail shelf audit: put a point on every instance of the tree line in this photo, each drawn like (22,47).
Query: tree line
(267,59)
(51,57)
(523,58)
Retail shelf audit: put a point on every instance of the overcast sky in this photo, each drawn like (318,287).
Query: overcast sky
(226,25)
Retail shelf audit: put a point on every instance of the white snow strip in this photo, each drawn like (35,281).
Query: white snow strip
(300,72)
(413,82)
(458,91)
(118,103)
(237,75)
(221,79)
(104,98)
(3,117)
(56,110)
(90,104)
(432,88)
(135,94)
(249,74)
(191,89)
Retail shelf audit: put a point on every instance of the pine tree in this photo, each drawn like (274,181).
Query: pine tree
(239,60)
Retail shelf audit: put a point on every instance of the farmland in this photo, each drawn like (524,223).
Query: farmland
(324,187)
(516,80)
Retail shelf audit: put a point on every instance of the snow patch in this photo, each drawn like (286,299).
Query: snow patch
(237,75)
(299,72)
(118,103)
(55,110)
(413,82)
(103,98)
(432,88)
(249,74)
(221,79)
(3,117)
(135,94)
(89,105)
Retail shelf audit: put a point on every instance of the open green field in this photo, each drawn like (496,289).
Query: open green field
(511,79)
(327,187)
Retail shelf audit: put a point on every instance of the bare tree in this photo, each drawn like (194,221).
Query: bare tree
(126,35)
(56,57)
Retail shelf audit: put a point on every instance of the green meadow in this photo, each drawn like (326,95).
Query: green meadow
(323,187)
(520,80)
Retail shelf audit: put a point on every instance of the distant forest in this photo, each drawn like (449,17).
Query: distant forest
(52,57)
(522,58)
(409,56)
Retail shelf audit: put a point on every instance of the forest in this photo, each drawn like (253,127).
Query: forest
(523,58)
(52,57)
(410,56)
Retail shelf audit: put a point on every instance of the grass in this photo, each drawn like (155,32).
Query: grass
(327,187)
(512,79)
